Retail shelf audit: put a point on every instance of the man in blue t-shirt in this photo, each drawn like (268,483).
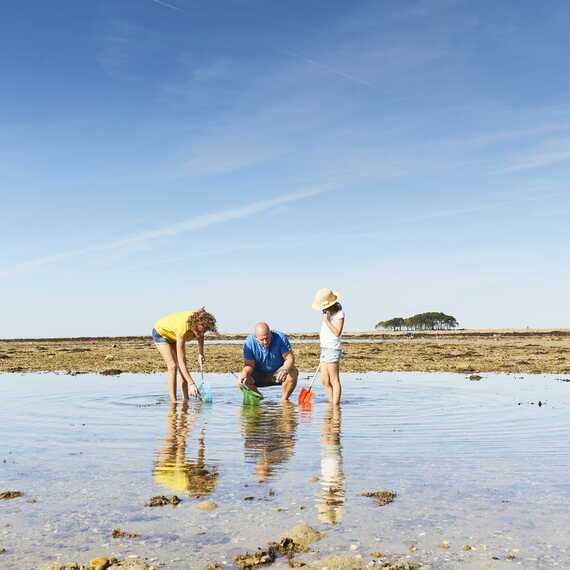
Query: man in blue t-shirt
(268,361)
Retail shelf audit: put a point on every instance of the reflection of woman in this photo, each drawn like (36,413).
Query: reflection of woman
(331,502)
(269,435)
(172,469)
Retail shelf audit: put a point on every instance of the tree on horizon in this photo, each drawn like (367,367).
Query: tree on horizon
(422,321)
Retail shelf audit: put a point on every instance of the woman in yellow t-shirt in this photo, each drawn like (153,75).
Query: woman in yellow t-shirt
(170,335)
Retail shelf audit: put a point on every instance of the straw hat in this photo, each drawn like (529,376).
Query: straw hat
(325,298)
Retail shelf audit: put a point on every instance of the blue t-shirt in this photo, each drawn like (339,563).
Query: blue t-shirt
(267,359)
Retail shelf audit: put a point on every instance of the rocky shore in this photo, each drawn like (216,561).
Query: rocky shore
(466,352)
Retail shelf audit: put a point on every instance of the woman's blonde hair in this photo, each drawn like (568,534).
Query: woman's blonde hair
(202,317)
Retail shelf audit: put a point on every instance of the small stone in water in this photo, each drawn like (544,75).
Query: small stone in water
(207,506)
(99,563)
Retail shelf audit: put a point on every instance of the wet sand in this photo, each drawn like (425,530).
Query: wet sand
(523,351)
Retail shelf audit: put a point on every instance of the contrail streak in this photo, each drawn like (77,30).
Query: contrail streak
(166,4)
(327,68)
(185,226)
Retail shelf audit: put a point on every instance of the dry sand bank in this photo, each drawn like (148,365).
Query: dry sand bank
(545,351)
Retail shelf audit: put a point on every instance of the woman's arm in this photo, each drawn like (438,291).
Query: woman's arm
(201,356)
(335,328)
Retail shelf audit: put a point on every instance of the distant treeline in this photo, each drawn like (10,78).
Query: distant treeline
(421,322)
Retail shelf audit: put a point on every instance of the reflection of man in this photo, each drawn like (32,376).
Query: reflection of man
(172,469)
(332,475)
(269,436)
(268,361)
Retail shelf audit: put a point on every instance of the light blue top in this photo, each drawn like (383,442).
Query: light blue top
(267,359)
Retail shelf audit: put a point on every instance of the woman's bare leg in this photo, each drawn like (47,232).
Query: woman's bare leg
(168,352)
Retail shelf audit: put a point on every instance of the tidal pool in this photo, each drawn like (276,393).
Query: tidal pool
(484,464)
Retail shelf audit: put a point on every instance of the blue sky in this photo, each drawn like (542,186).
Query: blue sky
(160,155)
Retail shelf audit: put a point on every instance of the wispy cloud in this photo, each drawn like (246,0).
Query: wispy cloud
(166,5)
(185,226)
(122,50)
(423,8)
(538,160)
(220,69)
(327,68)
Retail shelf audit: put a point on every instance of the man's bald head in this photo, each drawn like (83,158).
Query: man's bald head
(263,334)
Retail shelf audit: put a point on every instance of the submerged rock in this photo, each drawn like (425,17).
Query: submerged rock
(130,564)
(119,533)
(303,535)
(381,497)
(260,558)
(475,377)
(11,495)
(207,506)
(287,547)
(161,500)
(100,563)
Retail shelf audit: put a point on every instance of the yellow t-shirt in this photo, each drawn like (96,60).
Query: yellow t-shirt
(174,324)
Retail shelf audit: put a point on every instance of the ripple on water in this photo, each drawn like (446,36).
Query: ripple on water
(470,461)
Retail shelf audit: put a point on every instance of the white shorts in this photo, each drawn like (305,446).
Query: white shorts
(330,354)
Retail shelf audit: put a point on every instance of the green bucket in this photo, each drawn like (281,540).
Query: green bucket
(250,397)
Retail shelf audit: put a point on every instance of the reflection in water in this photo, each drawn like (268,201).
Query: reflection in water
(330,504)
(171,468)
(269,435)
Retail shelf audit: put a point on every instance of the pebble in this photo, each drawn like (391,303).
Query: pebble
(303,534)
(99,563)
(207,506)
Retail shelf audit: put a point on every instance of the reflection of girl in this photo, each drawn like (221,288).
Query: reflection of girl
(172,469)
(332,475)
(326,300)
(170,335)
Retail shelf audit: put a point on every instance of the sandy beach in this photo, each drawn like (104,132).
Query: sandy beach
(522,351)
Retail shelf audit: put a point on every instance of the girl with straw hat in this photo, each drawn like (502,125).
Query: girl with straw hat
(326,300)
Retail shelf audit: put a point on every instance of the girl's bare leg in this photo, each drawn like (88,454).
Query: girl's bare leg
(168,352)
(334,378)
(325,379)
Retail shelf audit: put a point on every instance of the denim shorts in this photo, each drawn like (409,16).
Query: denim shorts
(330,354)
(158,339)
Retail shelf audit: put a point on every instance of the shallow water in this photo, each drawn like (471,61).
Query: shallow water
(472,463)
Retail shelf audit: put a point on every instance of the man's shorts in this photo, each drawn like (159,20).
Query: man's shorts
(158,339)
(262,379)
(330,355)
